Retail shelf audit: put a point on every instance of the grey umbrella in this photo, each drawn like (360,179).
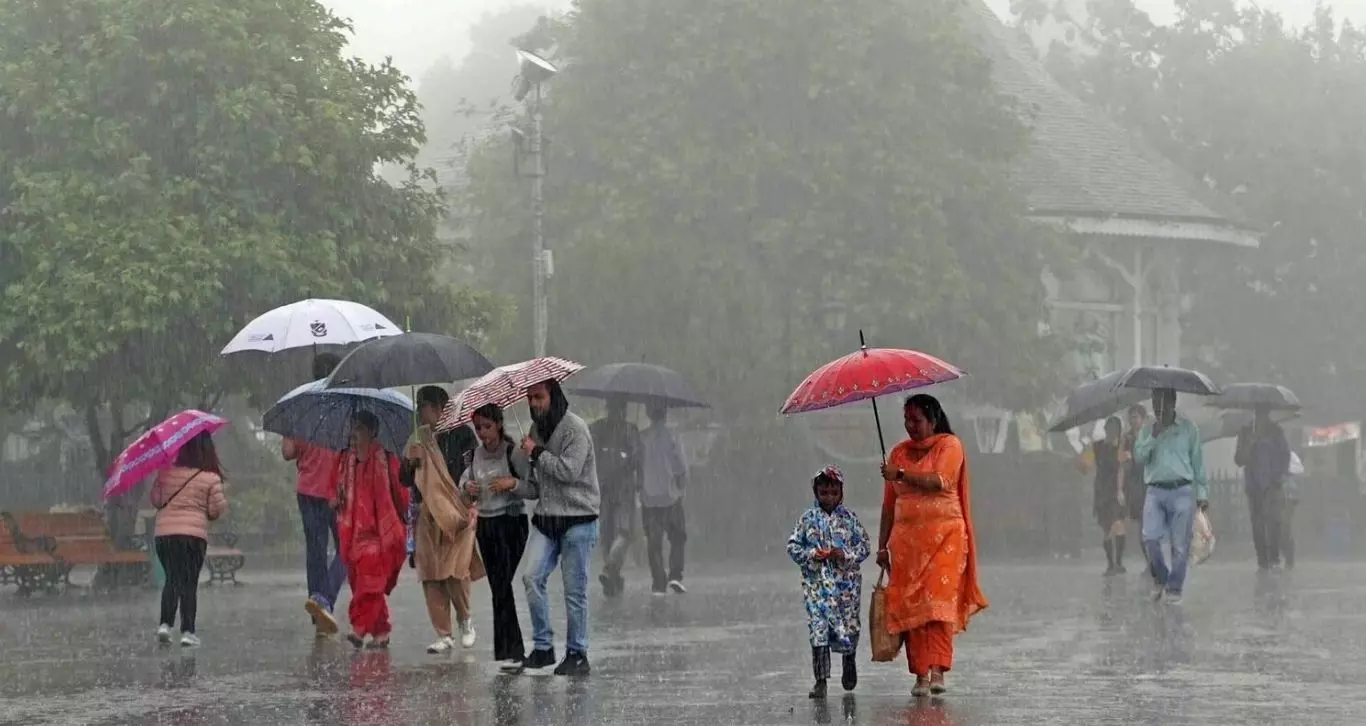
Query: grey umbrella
(409,359)
(637,383)
(1256,395)
(1181,380)
(1096,400)
(1232,422)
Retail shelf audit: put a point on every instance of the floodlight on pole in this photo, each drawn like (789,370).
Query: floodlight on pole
(533,71)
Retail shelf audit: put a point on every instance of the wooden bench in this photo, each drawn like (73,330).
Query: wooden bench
(80,539)
(26,561)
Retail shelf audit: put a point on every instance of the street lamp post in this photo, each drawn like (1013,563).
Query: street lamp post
(535,70)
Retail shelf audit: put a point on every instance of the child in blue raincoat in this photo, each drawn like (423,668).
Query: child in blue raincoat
(828,544)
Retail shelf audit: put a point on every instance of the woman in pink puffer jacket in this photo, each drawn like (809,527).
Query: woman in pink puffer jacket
(187,497)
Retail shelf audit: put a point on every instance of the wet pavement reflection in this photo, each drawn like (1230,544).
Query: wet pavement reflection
(1059,645)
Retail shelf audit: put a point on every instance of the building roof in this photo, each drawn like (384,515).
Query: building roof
(1084,166)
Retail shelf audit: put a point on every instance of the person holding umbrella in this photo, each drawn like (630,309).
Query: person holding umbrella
(564,480)
(187,496)
(444,553)
(1172,455)
(1264,454)
(316,488)
(665,472)
(926,543)
(370,505)
(619,471)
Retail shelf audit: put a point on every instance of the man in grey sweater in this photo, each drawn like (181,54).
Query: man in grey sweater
(564,477)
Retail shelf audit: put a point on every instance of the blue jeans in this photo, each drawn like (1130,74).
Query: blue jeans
(576,547)
(1168,513)
(324,580)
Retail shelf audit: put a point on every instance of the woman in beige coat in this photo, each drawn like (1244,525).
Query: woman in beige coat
(445,555)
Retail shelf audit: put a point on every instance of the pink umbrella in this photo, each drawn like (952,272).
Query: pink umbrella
(504,386)
(157,449)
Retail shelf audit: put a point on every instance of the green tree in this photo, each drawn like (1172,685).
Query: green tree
(169,171)
(726,175)
(1271,116)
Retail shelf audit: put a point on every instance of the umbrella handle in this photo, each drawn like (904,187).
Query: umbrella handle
(882,444)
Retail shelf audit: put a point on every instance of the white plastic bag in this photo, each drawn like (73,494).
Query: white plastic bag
(1202,538)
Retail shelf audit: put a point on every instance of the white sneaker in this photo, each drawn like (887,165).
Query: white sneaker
(1172,599)
(441,646)
(677,586)
(164,634)
(513,665)
(189,640)
(467,633)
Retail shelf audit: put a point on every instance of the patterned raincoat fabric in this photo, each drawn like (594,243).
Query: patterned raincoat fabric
(832,588)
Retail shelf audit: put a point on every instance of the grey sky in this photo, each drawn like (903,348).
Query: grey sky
(418,32)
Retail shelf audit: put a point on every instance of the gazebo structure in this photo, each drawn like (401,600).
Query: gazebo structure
(1138,214)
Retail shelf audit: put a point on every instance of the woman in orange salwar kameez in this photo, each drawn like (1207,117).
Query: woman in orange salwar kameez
(926,543)
(371,533)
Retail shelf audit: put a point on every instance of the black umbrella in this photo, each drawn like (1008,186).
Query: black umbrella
(637,383)
(409,360)
(1096,400)
(1181,380)
(1257,395)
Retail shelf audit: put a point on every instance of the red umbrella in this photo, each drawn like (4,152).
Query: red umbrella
(867,374)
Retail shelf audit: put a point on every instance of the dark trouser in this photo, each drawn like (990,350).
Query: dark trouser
(1287,536)
(660,522)
(182,558)
(502,541)
(616,529)
(1264,505)
(324,579)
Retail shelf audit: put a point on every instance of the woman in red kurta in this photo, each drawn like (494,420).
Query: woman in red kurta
(371,530)
(926,543)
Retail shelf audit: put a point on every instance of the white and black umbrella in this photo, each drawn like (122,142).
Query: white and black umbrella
(311,323)
(409,359)
(638,383)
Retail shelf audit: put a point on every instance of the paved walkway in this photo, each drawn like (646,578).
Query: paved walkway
(1060,645)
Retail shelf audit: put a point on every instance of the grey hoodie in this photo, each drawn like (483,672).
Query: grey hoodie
(564,478)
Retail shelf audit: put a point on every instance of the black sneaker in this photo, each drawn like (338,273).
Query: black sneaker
(539,659)
(849,678)
(574,664)
(818,690)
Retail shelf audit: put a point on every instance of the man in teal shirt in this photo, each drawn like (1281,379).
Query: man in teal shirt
(1174,470)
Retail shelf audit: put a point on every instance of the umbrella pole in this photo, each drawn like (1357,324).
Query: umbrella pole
(881,444)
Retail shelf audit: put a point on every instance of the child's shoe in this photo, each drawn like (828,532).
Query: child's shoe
(849,676)
(818,690)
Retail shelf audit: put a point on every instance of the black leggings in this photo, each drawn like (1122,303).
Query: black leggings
(182,558)
(502,540)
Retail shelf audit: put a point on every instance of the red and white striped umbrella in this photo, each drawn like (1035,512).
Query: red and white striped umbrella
(504,386)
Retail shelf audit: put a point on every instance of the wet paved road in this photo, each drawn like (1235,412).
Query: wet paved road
(1060,645)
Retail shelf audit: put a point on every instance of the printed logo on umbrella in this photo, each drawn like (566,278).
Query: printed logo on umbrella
(318,328)
(260,337)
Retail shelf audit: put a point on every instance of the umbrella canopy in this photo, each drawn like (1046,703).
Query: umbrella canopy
(1096,400)
(1181,380)
(503,386)
(157,448)
(867,373)
(638,383)
(1256,395)
(311,322)
(409,359)
(1231,422)
(322,415)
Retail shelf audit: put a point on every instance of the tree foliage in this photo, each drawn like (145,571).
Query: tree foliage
(1271,116)
(169,171)
(727,178)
